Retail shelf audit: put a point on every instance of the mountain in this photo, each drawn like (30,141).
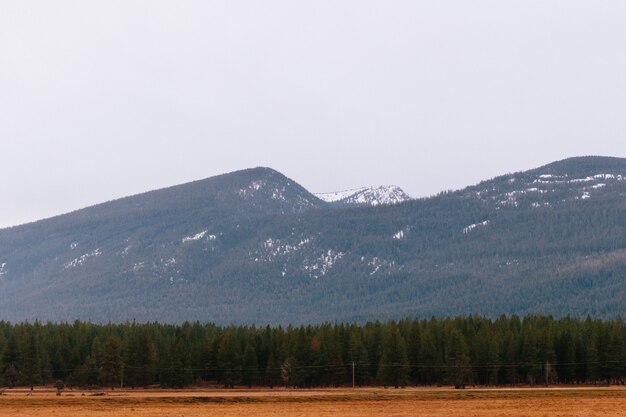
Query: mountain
(367,196)
(553,184)
(253,246)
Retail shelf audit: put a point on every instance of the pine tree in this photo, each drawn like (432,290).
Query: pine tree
(10,362)
(272,372)
(229,360)
(530,366)
(430,363)
(458,368)
(250,366)
(177,366)
(330,365)
(593,359)
(393,369)
(210,348)
(413,350)
(31,369)
(111,363)
(301,358)
(140,356)
(615,361)
(358,357)
(509,353)
(566,353)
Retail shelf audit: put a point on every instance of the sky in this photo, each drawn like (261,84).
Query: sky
(104,99)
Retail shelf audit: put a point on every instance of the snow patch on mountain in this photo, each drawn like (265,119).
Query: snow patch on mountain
(199,236)
(544,189)
(338,195)
(273,248)
(279,194)
(376,264)
(401,234)
(3,268)
(82,259)
(252,188)
(473,226)
(367,196)
(322,265)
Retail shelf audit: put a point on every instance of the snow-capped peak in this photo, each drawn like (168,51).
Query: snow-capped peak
(367,196)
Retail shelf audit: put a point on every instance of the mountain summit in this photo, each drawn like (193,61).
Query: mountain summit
(560,182)
(366,196)
(253,246)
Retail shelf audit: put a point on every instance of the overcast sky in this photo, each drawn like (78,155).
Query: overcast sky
(103,99)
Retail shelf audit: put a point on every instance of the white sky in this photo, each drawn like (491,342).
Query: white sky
(103,99)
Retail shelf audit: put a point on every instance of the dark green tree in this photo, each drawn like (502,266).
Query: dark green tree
(250,366)
(458,368)
(177,372)
(301,357)
(393,369)
(272,372)
(530,364)
(31,370)
(139,360)
(10,362)
(229,360)
(111,362)
(359,357)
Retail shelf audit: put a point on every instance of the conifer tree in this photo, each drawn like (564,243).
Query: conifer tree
(250,366)
(330,365)
(358,356)
(111,363)
(10,362)
(210,348)
(300,359)
(229,360)
(530,366)
(414,345)
(458,367)
(140,356)
(393,369)
(177,371)
(430,364)
(31,369)
(272,372)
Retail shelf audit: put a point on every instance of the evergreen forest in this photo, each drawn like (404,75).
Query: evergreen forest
(462,351)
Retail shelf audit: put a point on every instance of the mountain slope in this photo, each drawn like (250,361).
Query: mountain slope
(255,247)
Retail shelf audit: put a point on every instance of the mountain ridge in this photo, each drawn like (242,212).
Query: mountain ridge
(254,246)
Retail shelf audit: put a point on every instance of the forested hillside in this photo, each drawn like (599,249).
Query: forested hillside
(255,247)
(461,351)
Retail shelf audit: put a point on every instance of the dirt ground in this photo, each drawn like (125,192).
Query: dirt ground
(583,402)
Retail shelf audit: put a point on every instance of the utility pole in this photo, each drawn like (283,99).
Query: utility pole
(353,385)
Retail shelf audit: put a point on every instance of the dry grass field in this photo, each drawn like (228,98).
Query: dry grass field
(583,402)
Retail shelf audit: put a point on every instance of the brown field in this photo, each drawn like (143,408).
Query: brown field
(583,402)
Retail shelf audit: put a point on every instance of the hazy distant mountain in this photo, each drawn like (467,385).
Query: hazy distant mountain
(254,246)
(367,196)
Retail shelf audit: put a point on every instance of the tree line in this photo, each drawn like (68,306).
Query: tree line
(461,351)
